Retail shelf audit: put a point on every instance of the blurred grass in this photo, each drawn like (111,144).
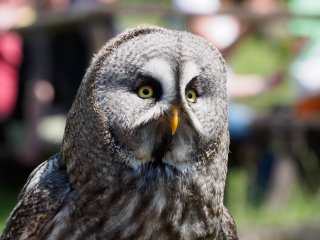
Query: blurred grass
(301,208)
(8,199)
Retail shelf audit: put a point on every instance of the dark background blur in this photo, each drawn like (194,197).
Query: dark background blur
(272,48)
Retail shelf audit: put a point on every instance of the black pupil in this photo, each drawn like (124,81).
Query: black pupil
(190,95)
(145,91)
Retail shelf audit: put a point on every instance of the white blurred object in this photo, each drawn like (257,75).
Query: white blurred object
(51,128)
(243,86)
(12,15)
(197,6)
(305,70)
(221,30)
(225,32)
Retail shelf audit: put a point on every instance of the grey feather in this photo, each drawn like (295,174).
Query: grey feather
(129,177)
(40,199)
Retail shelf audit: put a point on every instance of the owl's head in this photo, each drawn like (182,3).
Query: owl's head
(152,96)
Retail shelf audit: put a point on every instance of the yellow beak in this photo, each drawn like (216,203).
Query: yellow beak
(174,121)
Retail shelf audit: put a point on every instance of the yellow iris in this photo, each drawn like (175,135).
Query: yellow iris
(191,95)
(145,91)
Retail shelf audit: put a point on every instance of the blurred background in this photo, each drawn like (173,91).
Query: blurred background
(272,48)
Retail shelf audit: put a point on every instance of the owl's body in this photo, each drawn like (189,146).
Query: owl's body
(145,149)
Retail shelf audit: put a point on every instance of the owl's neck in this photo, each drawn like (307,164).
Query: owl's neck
(93,168)
(168,205)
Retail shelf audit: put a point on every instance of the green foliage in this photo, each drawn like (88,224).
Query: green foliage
(140,2)
(258,55)
(127,21)
(301,207)
(265,57)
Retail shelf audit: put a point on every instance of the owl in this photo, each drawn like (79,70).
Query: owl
(145,148)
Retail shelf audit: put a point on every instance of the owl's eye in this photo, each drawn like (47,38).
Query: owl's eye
(191,95)
(145,91)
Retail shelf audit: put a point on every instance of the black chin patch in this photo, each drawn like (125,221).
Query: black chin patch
(160,149)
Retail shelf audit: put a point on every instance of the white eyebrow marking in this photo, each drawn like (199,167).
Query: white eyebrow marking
(161,70)
(189,71)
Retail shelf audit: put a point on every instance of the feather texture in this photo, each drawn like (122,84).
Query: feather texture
(41,198)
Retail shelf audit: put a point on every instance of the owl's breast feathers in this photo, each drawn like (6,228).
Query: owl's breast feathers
(49,209)
(40,199)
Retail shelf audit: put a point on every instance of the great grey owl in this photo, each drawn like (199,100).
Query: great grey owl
(144,154)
